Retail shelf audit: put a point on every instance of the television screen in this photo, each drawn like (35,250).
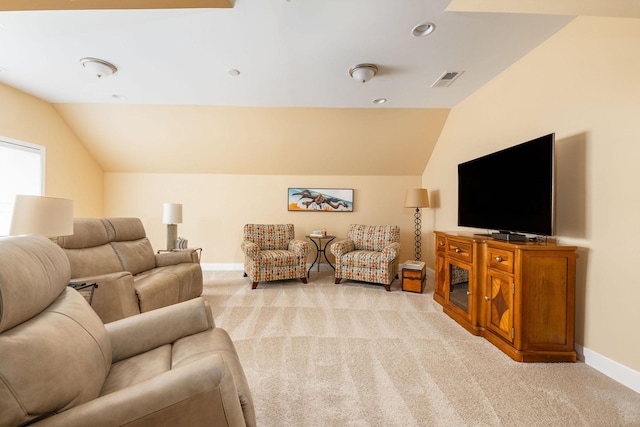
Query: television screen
(511,190)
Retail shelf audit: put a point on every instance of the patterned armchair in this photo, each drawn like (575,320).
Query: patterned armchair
(369,254)
(272,253)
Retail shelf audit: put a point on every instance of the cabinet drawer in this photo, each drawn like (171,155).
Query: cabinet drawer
(500,259)
(412,274)
(460,250)
(413,285)
(441,243)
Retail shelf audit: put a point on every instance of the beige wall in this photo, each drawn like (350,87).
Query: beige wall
(215,207)
(584,85)
(70,170)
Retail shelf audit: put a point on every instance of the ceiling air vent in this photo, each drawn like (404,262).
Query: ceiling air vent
(447,78)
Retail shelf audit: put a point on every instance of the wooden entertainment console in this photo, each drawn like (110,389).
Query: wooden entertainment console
(518,295)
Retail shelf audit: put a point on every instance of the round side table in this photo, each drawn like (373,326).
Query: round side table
(321,243)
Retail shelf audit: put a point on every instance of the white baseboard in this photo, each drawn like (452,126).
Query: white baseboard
(222,267)
(614,370)
(240,267)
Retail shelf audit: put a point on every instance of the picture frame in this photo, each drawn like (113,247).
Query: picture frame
(305,199)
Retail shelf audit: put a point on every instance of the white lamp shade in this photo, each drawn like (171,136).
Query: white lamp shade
(172,213)
(48,216)
(416,198)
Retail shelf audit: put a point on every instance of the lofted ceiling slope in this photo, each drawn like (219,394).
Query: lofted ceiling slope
(257,140)
(174,107)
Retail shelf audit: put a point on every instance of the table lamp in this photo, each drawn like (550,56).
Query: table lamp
(417,198)
(48,216)
(172,216)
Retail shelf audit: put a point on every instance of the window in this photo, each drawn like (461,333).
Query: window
(21,172)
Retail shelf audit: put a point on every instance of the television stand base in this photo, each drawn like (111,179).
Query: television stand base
(509,237)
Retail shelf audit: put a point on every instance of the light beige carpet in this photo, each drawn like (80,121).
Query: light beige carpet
(355,355)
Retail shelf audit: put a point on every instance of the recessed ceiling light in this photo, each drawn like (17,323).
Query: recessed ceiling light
(423,30)
(233,72)
(380,101)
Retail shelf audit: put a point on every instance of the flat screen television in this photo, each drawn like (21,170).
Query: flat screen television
(511,191)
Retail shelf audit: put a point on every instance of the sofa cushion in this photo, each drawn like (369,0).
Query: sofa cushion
(33,272)
(156,290)
(373,237)
(38,312)
(93,261)
(67,342)
(135,256)
(122,229)
(269,236)
(277,258)
(87,233)
(363,259)
(137,369)
(189,277)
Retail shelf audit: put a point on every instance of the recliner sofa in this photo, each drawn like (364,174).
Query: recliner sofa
(61,366)
(116,254)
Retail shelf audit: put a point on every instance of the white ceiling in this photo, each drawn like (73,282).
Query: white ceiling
(184,113)
(290,53)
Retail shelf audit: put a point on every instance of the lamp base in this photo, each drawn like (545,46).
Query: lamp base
(172,236)
(418,233)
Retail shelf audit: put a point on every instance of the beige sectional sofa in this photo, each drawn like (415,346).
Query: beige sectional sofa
(116,254)
(61,366)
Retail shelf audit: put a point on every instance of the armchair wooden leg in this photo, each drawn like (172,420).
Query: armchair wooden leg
(338,279)
(304,279)
(254,285)
(388,288)
(245,274)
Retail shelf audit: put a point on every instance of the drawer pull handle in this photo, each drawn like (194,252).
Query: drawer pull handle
(499,258)
(468,293)
(458,250)
(441,243)
(486,298)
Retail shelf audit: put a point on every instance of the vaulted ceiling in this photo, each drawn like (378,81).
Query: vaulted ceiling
(218,89)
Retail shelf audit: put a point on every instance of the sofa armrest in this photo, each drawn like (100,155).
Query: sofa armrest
(250,249)
(342,247)
(164,259)
(101,278)
(152,329)
(391,252)
(202,390)
(299,247)
(115,297)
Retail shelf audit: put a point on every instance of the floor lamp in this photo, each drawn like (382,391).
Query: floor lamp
(417,198)
(172,216)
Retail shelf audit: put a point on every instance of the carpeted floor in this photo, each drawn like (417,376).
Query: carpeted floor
(353,354)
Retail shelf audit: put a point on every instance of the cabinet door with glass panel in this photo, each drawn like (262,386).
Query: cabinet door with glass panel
(459,287)
(463,281)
